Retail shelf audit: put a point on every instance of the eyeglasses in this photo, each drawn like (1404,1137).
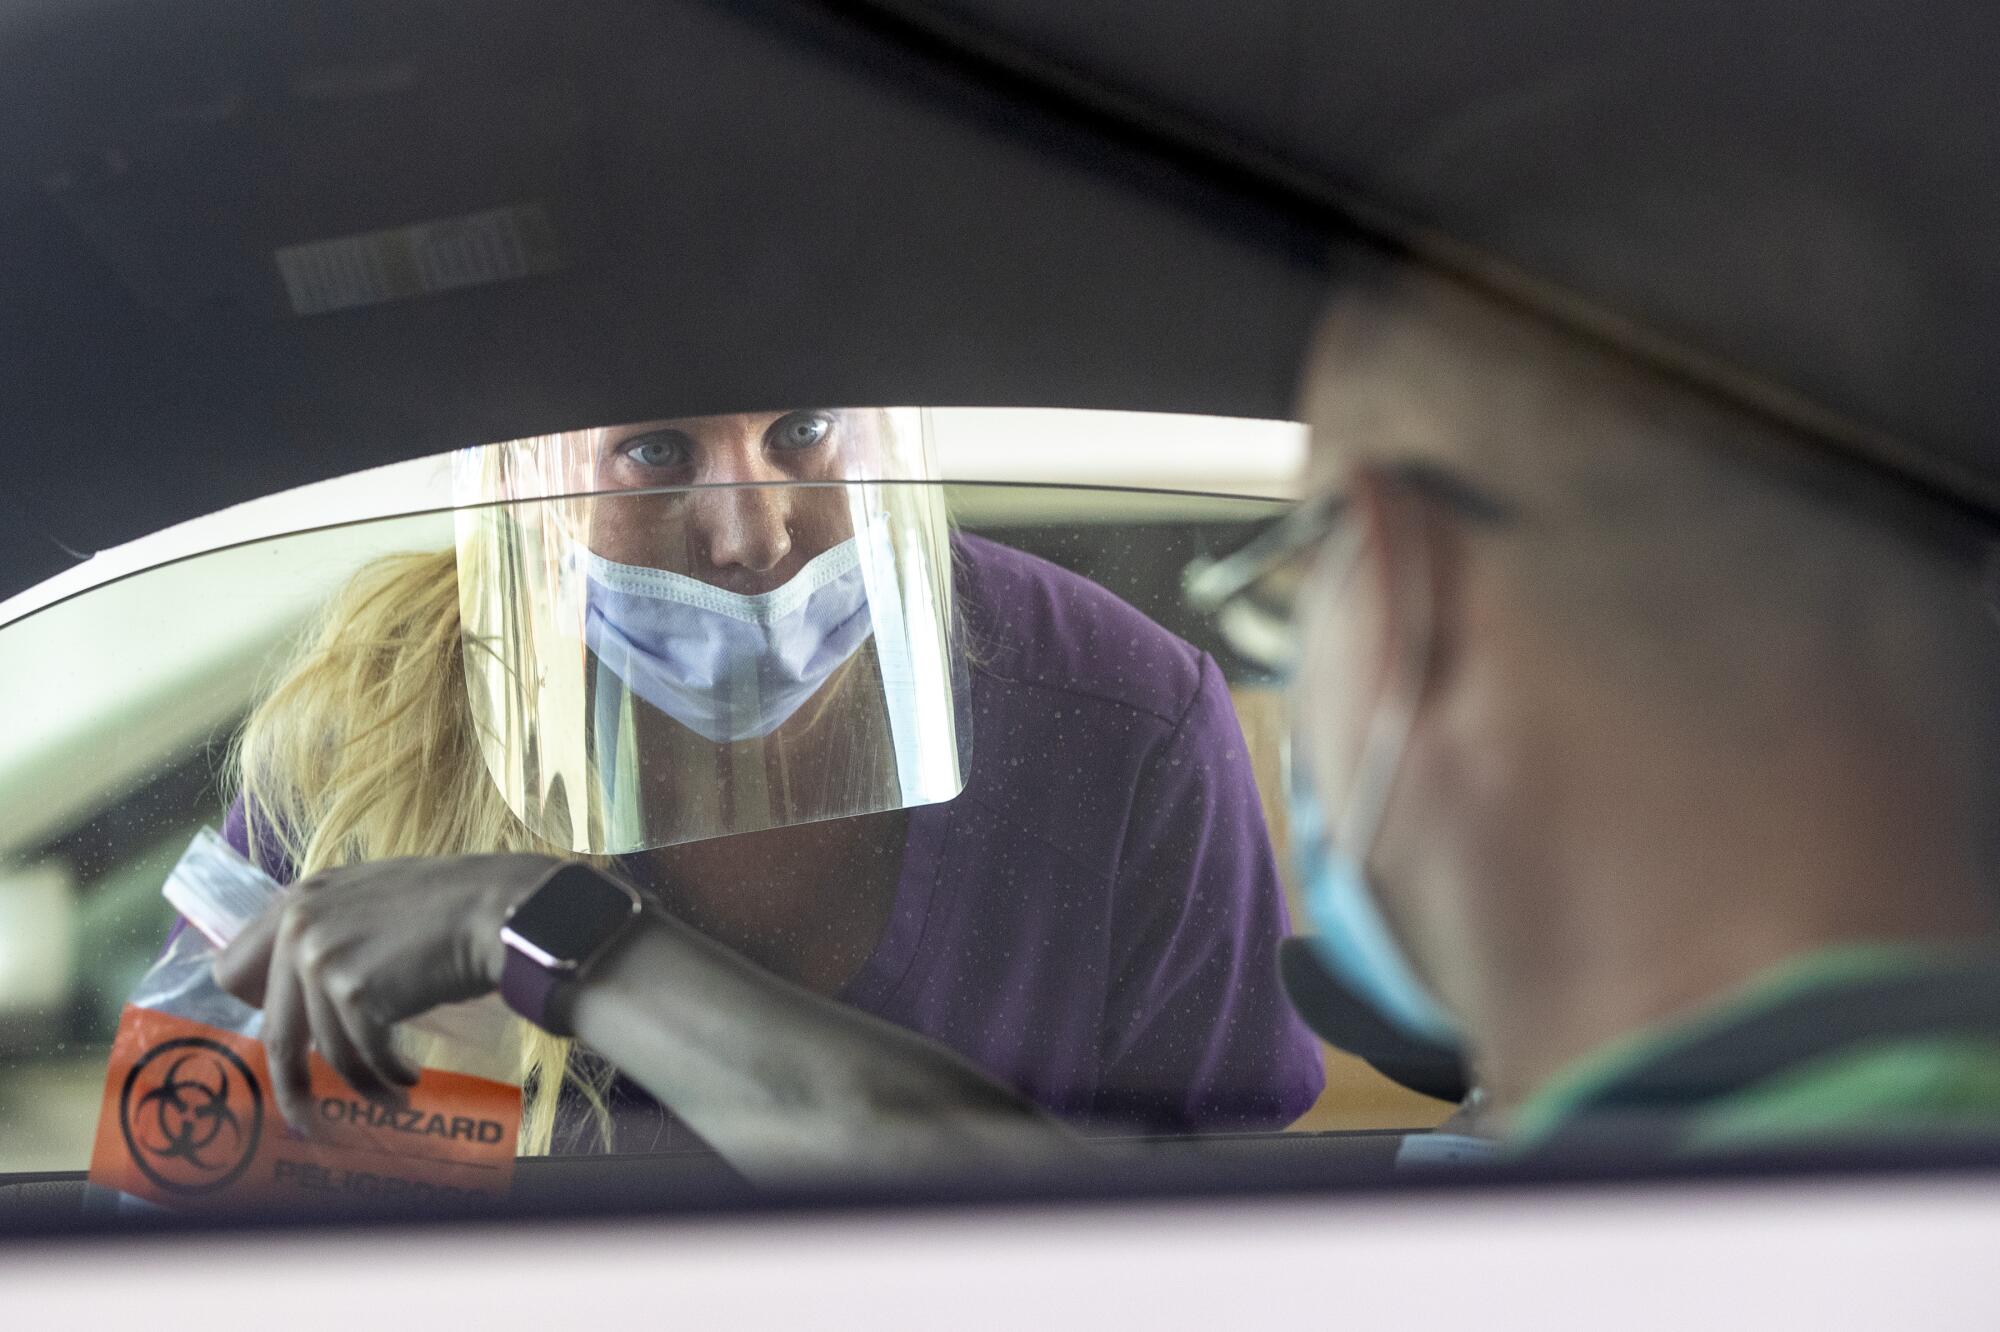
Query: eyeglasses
(1251,593)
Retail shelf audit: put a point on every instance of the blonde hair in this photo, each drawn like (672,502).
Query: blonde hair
(365,749)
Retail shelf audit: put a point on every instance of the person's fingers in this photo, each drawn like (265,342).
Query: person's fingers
(371,1032)
(243,968)
(288,1038)
(333,1034)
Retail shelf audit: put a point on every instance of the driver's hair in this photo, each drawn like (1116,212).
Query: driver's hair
(365,749)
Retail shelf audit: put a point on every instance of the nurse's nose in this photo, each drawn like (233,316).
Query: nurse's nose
(742,516)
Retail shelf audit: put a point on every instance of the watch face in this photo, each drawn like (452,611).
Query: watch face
(573,914)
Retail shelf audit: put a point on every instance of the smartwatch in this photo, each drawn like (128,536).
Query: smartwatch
(552,935)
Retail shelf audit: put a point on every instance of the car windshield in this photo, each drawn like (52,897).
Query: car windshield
(1050,838)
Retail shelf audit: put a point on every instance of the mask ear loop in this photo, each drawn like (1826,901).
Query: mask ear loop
(1393,720)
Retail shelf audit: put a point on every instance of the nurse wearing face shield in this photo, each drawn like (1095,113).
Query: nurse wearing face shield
(833,836)
(687,630)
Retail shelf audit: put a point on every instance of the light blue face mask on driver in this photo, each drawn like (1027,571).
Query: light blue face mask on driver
(727,666)
(1350,935)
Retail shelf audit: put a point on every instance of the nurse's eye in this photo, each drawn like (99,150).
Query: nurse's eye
(799,430)
(661,448)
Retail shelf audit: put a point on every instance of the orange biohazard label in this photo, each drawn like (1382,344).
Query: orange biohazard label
(188,1119)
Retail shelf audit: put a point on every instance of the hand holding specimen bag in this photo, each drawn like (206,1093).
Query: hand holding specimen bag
(659,650)
(188,1117)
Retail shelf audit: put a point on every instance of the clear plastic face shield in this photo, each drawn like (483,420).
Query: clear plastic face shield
(686,629)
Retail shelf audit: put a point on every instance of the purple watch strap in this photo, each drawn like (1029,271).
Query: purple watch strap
(555,933)
(526,986)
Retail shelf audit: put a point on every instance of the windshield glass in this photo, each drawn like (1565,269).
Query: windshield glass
(1010,796)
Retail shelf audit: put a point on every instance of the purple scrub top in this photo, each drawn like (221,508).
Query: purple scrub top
(1095,919)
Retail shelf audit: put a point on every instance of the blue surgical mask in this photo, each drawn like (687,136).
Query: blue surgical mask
(1349,933)
(727,666)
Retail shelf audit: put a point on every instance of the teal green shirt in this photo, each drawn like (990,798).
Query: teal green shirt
(1928,1081)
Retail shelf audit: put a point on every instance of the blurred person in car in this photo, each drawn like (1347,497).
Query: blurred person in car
(1091,923)
(1649,767)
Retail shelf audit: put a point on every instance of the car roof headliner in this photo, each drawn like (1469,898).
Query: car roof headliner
(1112,203)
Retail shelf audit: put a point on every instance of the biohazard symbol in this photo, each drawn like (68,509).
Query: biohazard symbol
(191,1112)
